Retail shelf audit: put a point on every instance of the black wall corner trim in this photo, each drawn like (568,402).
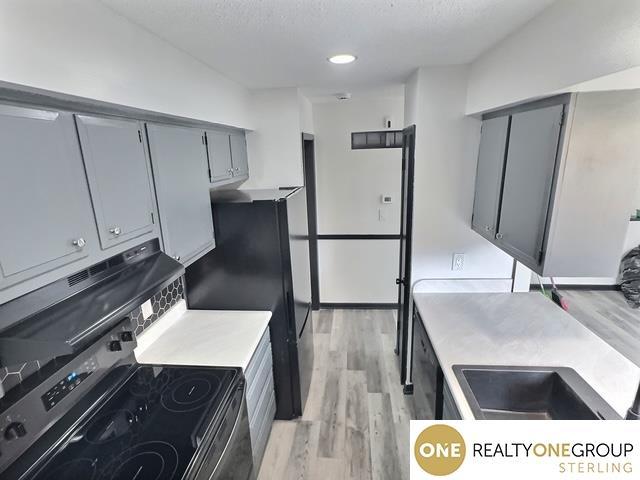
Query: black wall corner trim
(359,236)
(360,306)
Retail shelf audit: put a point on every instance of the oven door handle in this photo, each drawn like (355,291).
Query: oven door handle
(240,416)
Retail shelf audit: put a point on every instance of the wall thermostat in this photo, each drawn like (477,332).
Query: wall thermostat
(386,199)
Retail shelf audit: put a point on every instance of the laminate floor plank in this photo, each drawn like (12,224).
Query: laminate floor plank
(607,314)
(356,418)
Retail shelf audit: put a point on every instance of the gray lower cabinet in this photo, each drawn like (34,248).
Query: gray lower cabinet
(47,222)
(180,171)
(261,400)
(119,176)
(239,157)
(449,408)
(426,374)
(491,158)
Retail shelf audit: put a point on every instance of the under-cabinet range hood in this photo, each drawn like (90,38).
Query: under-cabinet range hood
(65,316)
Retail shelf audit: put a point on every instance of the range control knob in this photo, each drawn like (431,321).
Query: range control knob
(126,336)
(14,430)
(114,346)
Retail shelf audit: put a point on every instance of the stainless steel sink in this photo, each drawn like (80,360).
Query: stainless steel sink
(530,393)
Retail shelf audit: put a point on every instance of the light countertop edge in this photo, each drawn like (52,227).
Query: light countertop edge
(220,338)
(521,329)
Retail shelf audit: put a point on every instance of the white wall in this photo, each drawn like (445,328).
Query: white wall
(82,48)
(358,271)
(446,156)
(350,182)
(275,147)
(306,114)
(570,42)
(349,188)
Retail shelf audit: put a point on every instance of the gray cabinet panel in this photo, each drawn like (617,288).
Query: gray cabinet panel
(239,155)
(486,203)
(529,174)
(119,177)
(44,200)
(219,149)
(179,162)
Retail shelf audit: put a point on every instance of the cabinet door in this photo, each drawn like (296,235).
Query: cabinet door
(239,155)
(119,177)
(531,160)
(179,162)
(493,144)
(426,375)
(219,150)
(44,200)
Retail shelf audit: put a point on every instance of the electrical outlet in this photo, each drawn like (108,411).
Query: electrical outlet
(458,261)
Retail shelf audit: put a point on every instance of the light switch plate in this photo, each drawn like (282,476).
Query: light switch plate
(147,309)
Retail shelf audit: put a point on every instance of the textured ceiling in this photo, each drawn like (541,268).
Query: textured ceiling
(278,43)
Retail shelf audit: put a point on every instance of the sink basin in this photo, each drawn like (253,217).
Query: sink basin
(530,393)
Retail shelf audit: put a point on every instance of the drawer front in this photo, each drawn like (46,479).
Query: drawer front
(259,382)
(449,408)
(263,347)
(259,410)
(259,445)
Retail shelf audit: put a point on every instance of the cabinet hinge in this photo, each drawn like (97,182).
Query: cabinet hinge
(209,174)
(153,220)
(562,117)
(540,256)
(204,139)
(140,136)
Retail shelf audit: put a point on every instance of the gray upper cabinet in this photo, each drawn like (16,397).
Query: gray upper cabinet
(119,177)
(568,183)
(219,150)
(179,162)
(491,159)
(239,155)
(528,178)
(227,154)
(45,206)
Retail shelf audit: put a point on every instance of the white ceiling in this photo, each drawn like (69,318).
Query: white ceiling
(279,43)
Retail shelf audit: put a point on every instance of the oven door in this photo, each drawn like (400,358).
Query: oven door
(229,456)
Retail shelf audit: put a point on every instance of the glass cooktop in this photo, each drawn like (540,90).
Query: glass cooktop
(148,430)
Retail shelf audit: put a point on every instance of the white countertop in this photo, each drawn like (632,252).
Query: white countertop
(521,329)
(219,338)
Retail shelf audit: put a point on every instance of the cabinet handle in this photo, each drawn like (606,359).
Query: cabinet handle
(115,231)
(499,236)
(237,169)
(230,170)
(176,257)
(79,242)
(487,228)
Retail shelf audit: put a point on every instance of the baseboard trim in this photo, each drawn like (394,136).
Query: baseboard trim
(363,306)
(536,287)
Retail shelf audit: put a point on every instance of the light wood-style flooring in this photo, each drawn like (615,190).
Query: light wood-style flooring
(607,314)
(356,421)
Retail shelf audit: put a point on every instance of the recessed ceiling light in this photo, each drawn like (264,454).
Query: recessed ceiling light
(342,58)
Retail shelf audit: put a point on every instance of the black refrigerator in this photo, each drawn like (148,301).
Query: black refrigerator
(261,262)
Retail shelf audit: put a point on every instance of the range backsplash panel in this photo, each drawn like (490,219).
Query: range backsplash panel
(13,375)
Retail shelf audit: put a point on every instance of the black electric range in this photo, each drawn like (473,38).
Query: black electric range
(135,422)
